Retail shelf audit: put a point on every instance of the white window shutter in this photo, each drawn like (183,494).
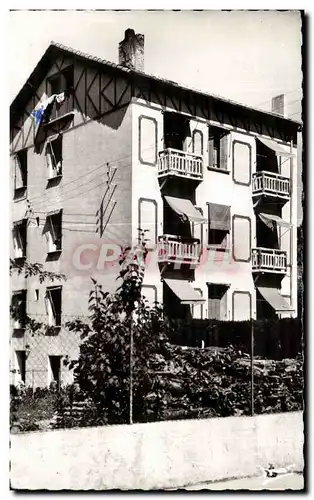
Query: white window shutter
(18,180)
(49,160)
(50,309)
(224,151)
(210,152)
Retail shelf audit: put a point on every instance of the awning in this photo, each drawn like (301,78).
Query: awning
(219,217)
(185,207)
(19,222)
(275,299)
(279,150)
(54,212)
(272,220)
(184,291)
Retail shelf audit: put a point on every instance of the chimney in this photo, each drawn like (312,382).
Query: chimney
(131,50)
(278,104)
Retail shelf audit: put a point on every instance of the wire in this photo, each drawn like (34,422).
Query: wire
(114,160)
(285,93)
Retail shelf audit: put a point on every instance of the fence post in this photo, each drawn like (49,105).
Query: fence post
(252,366)
(131,370)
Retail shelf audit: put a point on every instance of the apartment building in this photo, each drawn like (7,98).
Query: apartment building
(99,150)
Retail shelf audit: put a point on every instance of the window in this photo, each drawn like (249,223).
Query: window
(197,142)
(54,369)
(197,309)
(53,305)
(19,239)
(20,172)
(36,295)
(218,225)
(54,158)
(54,232)
(61,82)
(21,364)
(18,309)
(218,142)
(217,301)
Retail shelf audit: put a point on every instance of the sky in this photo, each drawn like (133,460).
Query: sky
(259,52)
(246,56)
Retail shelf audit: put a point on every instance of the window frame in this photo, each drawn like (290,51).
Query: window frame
(223,289)
(52,162)
(17,236)
(21,323)
(53,234)
(57,315)
(20,159)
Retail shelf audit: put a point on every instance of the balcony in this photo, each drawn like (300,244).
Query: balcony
(173,162)
(272,185)
(62,110)
(267,260)
(173,251)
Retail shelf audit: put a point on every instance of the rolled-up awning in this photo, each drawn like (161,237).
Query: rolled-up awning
(184,291)
(219,217)
(185,207)
(272,220)
(54,212)
(279,150)
(275,299)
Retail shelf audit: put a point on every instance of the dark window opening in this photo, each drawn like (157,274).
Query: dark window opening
(173,307)
(63,82)
(55,368)
(20,174)
(18,309)
(21,361)
(54,305)
(54,232)
(20,239)
(217,237)
(176,131)
(218,140)
(266,237)
(54,157)
(266,159)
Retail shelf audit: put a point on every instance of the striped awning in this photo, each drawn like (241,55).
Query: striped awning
(277,148)
(275,299)
(185,207)
(184,291)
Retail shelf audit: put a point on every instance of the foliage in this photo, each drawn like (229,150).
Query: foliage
(29,409)
(34,269)
(31,269)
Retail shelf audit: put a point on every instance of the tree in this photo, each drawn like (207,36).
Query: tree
(29,269)
(103,368)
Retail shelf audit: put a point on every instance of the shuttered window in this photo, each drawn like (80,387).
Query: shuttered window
(20,170)
(53,231)
(218,148)
(241,238)
(53,305)
(217,301)
(197,142)
(54,158)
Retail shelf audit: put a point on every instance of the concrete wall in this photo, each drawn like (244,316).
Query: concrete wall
(157,455)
